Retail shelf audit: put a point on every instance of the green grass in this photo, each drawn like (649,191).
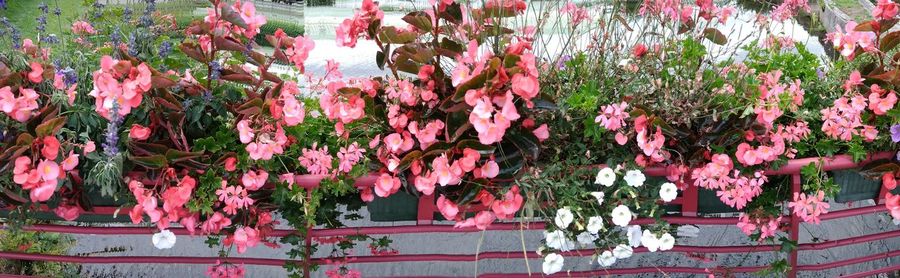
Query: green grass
(24,13)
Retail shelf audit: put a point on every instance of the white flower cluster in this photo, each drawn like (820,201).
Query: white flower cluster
(621,216)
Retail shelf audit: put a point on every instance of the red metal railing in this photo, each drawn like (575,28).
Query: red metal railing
(425,225)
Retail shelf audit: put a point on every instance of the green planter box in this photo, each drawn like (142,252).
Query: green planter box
(400,206)
(856,187)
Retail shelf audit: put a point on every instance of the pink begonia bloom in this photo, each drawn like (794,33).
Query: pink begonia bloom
(892,202)
(109,92)
(70,162)
(215,223)
(621,139)
(89,147)
(253,20)
(386,185)
(576,14)
(810,207)
(67,212)
(51,147)
(481,221)
(82,28)
(650,146)
(542,133)
(669,9)
(316,161)
(19,108)
(428,135)
(508,206)
(425,183)
(490,169)
(139,132)
(254,180)
(880,105)
(293,109)
(245,132)
(444,172)
(190,222)
(788,9)
(48,170)
(847,41)
(351,29)
(243,238)
(469,159)
(231,164)
(852,81)
(299,52)
(37,72)
(885,10)
(448,208)
(889,181)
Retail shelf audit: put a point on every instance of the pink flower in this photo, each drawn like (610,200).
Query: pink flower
(885,10)
(293,110)
(469,159)
(349,157)
(481,221)
(253,20)
(82,28)
(650,146)
(139,132)
(215,223)
(243,238)
(254,180)
(509,205)
(299,52)
(70,162)
(639,50)
(526,86)
(809,208)
(892,202)
(425,183)
(490,169)
(542,133)
(51,147)
(316,161)
(613,116)
(888,181)
(244,131)
(36,74)
(386,185)
(848,40)
(89,147)
(444,172)
(447,208)
(230,164)
(49,170)
(68,213)
(109,91)
(879,105)
(576,14)
(43,192)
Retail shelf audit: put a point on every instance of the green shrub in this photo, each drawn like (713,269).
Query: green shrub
(290,28)
(36,242)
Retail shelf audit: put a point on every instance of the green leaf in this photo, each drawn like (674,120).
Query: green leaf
(408,159)
(50,127)
(391,35)
(176,155)
(156,161)
(889,41)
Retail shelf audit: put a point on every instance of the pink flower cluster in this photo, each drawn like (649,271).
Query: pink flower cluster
(298,52)
(349,156)
(19,107)
(766,227)
(247,12)
(612,117)
(892,202)
(708,11)
(809,207)
(885,10)
(263,143)
(576,14)
(343,108)
(733,189)
(847,41)
(119,84)
(288,108)
(243,238)
(351,29)
(83,28)
(41,181)
(174,199)
(234,197)
(316,161)
(504,208)
(225,270)
(788,9)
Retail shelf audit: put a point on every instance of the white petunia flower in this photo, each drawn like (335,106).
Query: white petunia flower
(564,217)
(650,241)
(896,221)
(595,224)
(606,259)
(635,178)
(164,239)
(622,251)
(621,215)
(606,177)
(553,263)
(558,240)
(599,196)
(668,191)
(624,62)
(634,235)
(586,238)
(688,231)
(666,242)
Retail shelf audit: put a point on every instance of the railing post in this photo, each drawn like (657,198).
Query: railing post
(690,198)
(425,210)
(795,227)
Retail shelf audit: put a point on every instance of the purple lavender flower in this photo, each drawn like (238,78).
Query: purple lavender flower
(215,70)
(820,73)
(895,133)
(111,145)
(3,4)
(561,64)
